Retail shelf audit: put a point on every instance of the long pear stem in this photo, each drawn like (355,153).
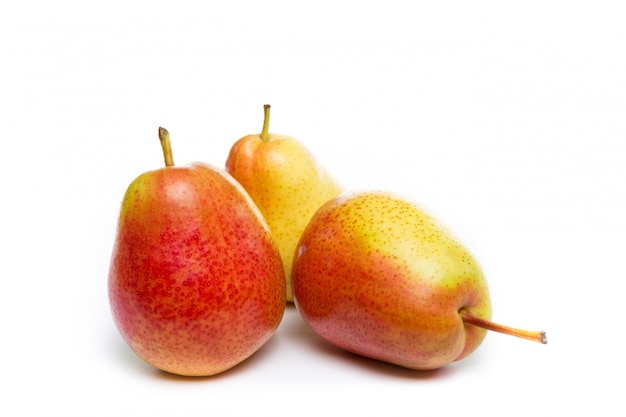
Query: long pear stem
(486,324)
(266,123)
(164,137)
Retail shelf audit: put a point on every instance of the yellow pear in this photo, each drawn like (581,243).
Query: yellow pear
(376,275)
(286,182)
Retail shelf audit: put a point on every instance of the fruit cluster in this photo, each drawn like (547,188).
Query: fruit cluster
(205,260)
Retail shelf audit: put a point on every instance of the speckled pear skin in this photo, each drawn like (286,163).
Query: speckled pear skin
(286,182)
(196,283)
(378,276)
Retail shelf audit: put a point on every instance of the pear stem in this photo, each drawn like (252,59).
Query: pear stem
(488,325)
(266,123)
(164,137)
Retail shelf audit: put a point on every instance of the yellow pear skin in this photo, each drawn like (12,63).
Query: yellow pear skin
(286,182)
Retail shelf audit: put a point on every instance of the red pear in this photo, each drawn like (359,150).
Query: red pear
(196,282)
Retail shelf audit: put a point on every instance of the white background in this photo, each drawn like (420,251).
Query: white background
(507,119)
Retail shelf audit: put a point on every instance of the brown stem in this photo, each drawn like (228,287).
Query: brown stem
(266,123)
(486,324)
(164,137)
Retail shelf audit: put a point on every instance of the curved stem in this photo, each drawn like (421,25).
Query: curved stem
(488,325)
(266,123)
(164,137)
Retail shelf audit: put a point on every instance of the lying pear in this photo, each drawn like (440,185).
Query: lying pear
(285,180)
(378,276)
(196,283)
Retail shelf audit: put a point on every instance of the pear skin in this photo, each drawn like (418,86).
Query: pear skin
(196,283)
(378,276)
(286,182)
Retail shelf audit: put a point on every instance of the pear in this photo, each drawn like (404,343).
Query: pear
(287,183)
(196,283)
(376,275)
